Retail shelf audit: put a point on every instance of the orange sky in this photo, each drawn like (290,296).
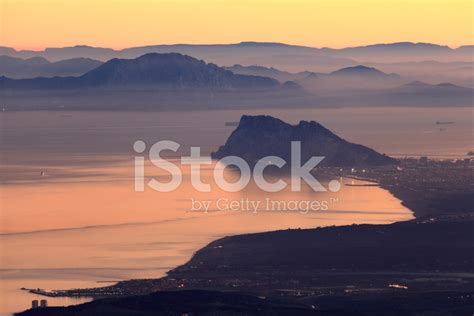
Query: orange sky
(35,24)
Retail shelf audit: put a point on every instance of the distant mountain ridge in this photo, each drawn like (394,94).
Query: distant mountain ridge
(18,68)
(420,87)
(362,71)
(171,70)
(359,72)
(257,51)
(271,72)
(400,46)
(347,79)
(259,136)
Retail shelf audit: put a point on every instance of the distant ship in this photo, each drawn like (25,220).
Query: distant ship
(443,122)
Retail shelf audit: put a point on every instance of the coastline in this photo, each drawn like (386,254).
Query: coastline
(426,208)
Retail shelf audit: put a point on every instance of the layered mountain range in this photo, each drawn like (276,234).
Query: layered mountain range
(357,78)
(170,70)
(303,76)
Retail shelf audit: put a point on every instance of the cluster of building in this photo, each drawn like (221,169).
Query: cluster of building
(447,163)
(39,304)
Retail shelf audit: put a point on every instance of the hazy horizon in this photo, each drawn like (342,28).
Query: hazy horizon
(50,23)
(315,46)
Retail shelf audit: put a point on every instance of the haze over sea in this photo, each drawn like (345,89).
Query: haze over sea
(82,222)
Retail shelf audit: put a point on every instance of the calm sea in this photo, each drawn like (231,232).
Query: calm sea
(70,216)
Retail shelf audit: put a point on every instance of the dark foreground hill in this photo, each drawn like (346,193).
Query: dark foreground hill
(406,246)
(151,70)
(421,267)
(259,136)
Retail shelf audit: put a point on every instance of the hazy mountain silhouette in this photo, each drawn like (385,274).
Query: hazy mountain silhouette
(419,87)
(61,53)
(258,53)
(416,93)
(400,47)
(159,70)
(350,79)
(358,85)
(363,71)
(357,77)
(6,61)
(457,72)
(133,52)
(404,51)
(40,67)
(260,136)
(271,72)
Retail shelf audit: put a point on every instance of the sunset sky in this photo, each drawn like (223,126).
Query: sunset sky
(35,24)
